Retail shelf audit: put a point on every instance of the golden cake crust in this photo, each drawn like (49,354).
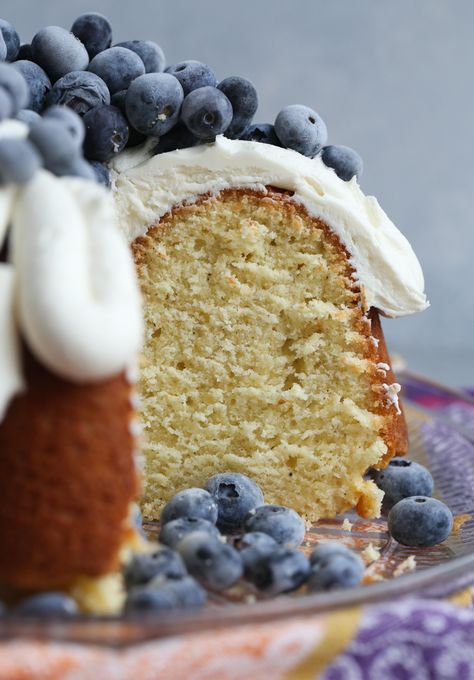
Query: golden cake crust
(367,323)
(67,478)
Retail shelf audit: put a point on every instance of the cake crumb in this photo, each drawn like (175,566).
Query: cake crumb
(250,599)
(346,525)
(371,553)
(372,577)
(407,565)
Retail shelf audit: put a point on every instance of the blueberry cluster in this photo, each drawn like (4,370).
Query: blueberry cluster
(212,537)
(124,94)
(414,518)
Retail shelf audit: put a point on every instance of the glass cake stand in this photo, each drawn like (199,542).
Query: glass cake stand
(441,425)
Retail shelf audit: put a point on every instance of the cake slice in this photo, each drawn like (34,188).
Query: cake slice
(262,275)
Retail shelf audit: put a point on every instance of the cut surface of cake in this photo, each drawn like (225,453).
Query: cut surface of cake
(262,273)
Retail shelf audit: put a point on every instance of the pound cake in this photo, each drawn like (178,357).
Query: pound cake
(263,274)
(70,327)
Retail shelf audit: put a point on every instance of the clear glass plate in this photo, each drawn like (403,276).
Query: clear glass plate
(441,438)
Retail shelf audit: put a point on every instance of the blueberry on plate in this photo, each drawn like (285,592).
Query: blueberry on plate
(206,112)
(80,91)
(215,564)
(102,176)
(261,132)
(186,591)
(236,495)
(117,67)
(38,83)
(194,502)
(19,160)
(69,119)
(179,137)
(149,52)
(192,74)
(106,133)
(282,571)
(172,532)
(253,546)
(94,31)
(47,605)
(420,521)
(345,162)
(27,116)
(142,568)
(244,99)
(283,524)
(403,478)
(15,85)
(11,38)
(58,52)
(147,599)
(6,105)
(300,128)
(153,103)
(3,48)
(334,566)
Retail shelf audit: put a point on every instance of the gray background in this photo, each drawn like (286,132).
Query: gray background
(392,78)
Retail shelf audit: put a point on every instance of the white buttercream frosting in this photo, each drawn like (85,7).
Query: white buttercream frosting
(146,187)
(78,300)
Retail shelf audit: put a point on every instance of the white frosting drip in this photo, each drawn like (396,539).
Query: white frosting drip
(78,299)
(11,377)
(392,395)
(148,187)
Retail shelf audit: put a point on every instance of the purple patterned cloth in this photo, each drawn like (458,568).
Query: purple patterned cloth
(409,640)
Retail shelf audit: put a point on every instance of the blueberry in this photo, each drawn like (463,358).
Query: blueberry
(28,116)
(102,176)
(69,119)
(12,41)
(80,90)
(185,590)
(206,112)
(301,129)
(6,105)
(19,160)
(193,75)
(172,532)
(149,52)
(48,605)
(403,478)
(283,524)
(261,132)
(420,521)
(54,142)
(38,83)
(73,167)
(334,566)
(25,53)
(142,568)
(106,133)
(244,99)
(94,31)
(153,103)
(15,85)
(118,67)
(3,48)
(282,571)
(149,600)
(215,564)
(134,137)
(178,137)
(253,546)
(58,51)
(236,495)
(195,503)
(344,161)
